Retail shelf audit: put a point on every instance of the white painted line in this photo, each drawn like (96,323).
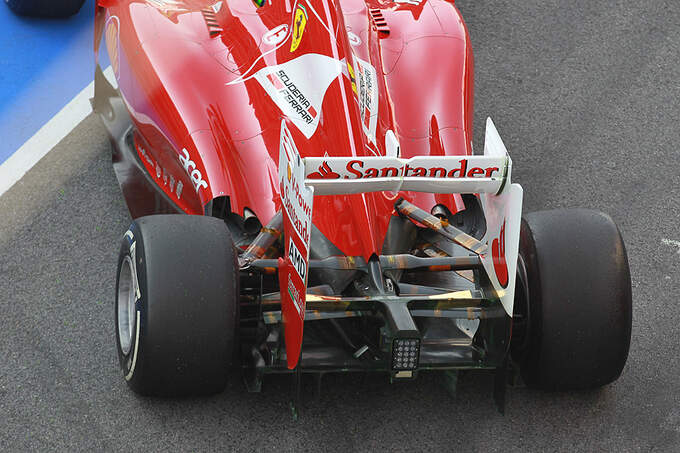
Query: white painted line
(52,132)
(671,242)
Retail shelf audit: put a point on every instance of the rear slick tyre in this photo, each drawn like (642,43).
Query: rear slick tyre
(177,305)
(45,8)
(579,300)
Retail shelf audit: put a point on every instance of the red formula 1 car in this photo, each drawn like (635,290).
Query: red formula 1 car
(339,218)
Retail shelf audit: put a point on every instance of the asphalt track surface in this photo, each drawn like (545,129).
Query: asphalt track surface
(585,95)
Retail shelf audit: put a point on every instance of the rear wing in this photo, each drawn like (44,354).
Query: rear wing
(434,174)
(485,174)
(488,175)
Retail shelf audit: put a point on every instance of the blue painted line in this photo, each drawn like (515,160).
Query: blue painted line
(44,63)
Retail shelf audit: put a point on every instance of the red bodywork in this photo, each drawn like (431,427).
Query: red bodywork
(206,126)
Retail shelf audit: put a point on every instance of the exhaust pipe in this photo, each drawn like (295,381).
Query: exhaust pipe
(251,224)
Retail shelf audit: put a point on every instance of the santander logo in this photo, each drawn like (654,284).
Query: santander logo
(498,253)
(325,172)
(392,168)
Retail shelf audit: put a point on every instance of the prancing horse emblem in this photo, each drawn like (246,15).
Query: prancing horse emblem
(299,24)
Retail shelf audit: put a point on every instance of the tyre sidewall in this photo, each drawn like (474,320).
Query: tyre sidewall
(133,240)
(529,359)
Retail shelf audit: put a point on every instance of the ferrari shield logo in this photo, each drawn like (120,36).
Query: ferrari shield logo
(299,24)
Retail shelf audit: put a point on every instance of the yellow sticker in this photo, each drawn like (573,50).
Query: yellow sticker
(352,78)
(299,24)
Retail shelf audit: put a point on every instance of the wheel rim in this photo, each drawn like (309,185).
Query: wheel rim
(126,305)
